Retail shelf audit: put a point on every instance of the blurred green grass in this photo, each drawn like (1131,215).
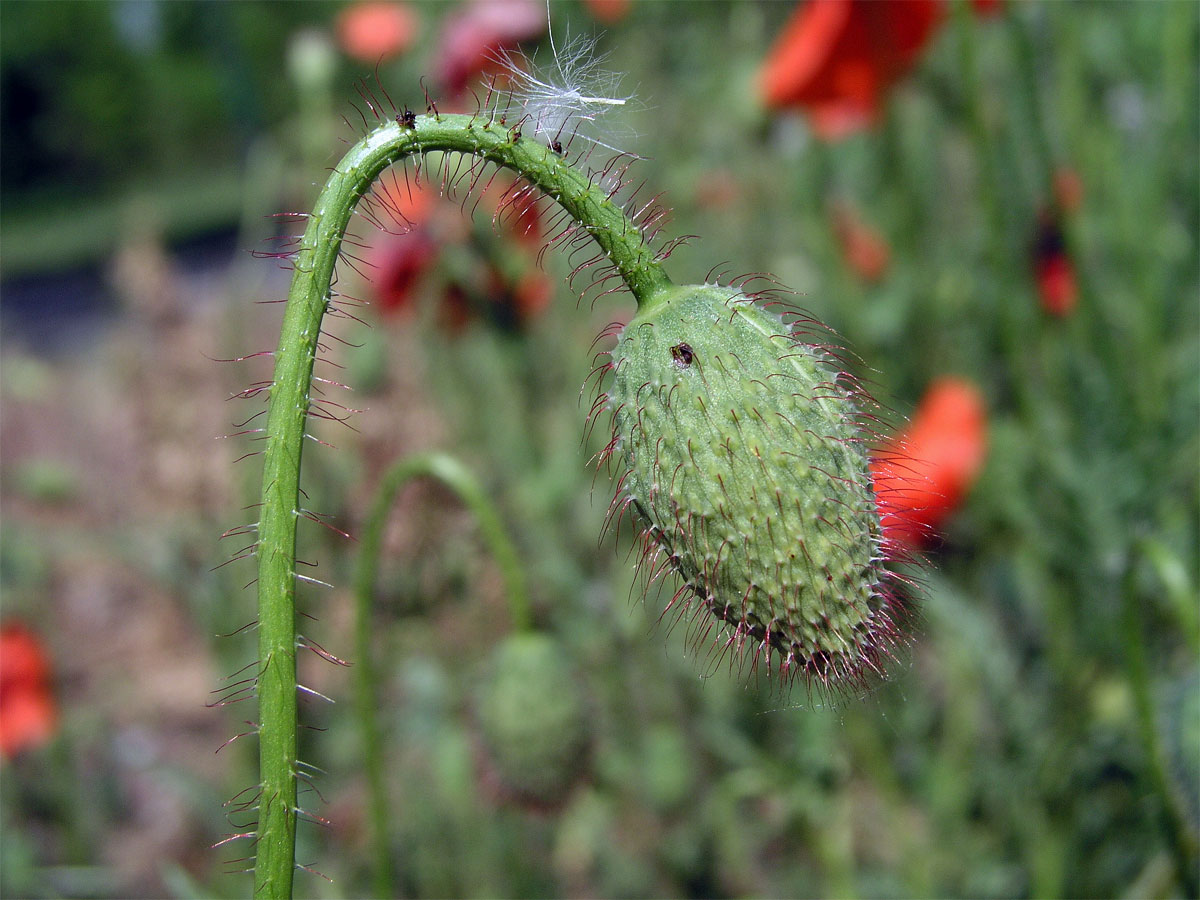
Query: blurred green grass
(1039,740)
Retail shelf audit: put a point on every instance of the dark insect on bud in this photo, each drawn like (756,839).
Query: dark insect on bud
(407,119)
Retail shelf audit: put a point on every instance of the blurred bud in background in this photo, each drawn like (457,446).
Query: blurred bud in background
(864,250)
(533,721)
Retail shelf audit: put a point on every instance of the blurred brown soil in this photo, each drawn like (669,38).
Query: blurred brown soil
(114,488)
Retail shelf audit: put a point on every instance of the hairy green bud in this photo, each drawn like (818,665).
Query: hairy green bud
(747,469)
(533,719)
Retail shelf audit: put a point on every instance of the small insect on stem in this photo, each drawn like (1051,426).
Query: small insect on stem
(408,118)
(683,355)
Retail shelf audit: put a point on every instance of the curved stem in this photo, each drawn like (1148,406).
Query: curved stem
(589,204)
(454,475)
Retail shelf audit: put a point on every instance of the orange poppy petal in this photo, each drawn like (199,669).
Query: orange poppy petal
(376,30)
(803,51)
(837,58)
(924,475)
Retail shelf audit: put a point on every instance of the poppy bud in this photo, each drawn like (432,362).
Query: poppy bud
(532,716)
(747,471)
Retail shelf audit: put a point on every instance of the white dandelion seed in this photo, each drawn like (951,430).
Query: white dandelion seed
(567,100)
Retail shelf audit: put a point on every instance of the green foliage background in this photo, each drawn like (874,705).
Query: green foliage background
(1041,739)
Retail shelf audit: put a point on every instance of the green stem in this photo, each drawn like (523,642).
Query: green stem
(588,204)
(1184,844)
(999,257)
(458,479)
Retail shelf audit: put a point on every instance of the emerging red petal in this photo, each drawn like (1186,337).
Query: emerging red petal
(921,477)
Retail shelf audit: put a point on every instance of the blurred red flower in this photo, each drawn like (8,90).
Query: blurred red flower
(517,213)
(475,35)
(28,714)
(399,256)
(506,303)
(1068,189)
(924,474)
(864,249)
(499,282)
(1053,269)
(376,29)
(608,11)
(838,58)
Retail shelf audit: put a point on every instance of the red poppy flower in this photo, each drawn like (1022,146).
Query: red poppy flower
(403,252)
(474,36)
(838,58)
(1053,268)
(499,283)
(375,30)
(922,476)
(863,247)
(508,304)
(28,713)
(608,11)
